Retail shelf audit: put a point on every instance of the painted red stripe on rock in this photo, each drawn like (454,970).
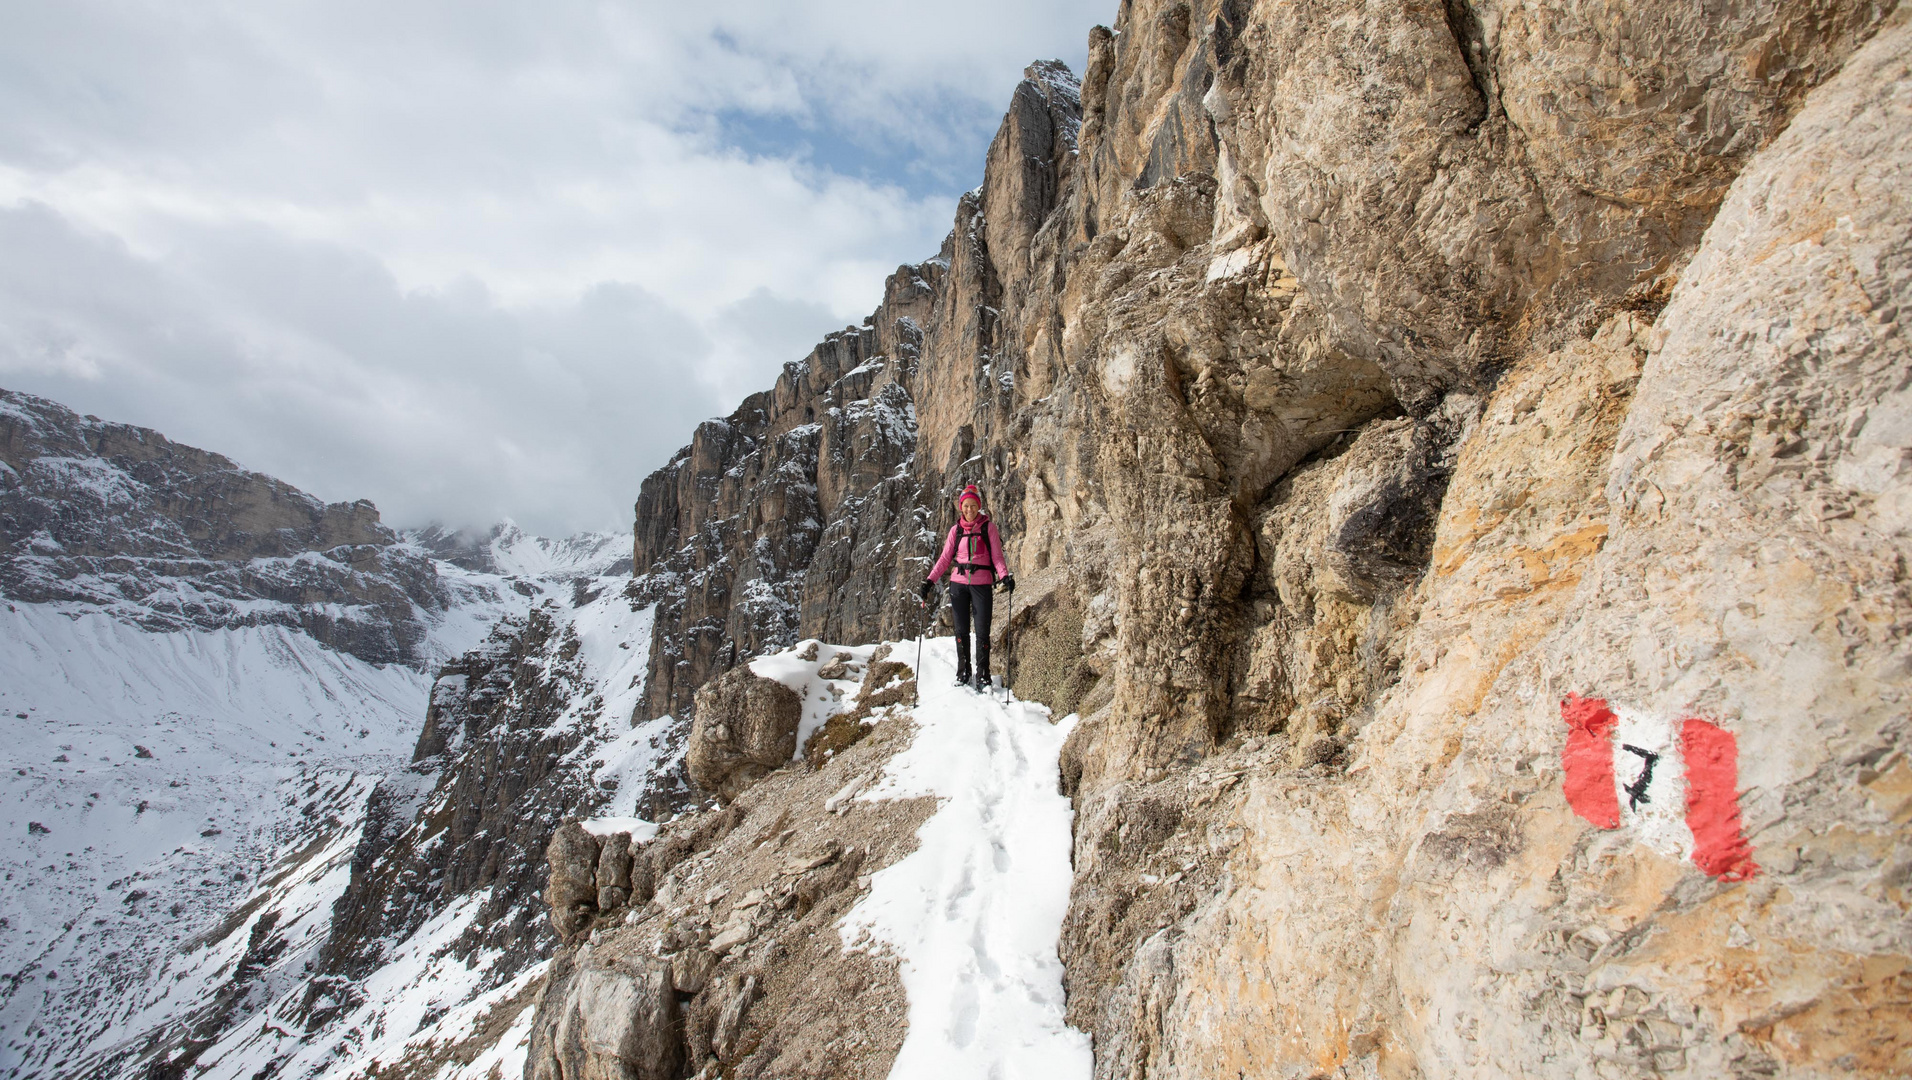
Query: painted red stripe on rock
(1587,760)
(1712,801)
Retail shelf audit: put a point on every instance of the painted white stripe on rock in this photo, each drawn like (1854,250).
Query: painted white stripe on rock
(1651,779)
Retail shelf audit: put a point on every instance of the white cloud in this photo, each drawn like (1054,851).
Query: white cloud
(471,259)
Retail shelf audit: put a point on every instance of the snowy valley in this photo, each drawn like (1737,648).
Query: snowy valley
(204,715)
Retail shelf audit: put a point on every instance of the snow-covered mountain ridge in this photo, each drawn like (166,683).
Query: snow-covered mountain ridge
(506,549)
(435,946)
(122,520)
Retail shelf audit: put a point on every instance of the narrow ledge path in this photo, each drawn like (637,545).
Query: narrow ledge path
(973,914)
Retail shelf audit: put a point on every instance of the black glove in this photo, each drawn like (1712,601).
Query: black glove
(928,587)
(1009,583)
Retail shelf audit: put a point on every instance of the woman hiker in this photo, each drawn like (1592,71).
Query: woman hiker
(972,554)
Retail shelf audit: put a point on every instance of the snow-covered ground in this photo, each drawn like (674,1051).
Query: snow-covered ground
(149,781)
(974,913)
(822,697)
(267,940)
(412,996)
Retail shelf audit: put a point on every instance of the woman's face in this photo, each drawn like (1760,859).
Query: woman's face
(970,510)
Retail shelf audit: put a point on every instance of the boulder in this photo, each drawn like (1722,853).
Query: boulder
(573,890)
(614,872)
(691,968)
(614,1024)
(746,727)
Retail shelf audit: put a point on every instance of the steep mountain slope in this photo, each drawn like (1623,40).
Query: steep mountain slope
(1453,459)
(214,683)
(436,945)
(154,782)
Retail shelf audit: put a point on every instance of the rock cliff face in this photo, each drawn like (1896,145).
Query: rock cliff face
(1357,384)
(809,511)
(496,769)
(169,537)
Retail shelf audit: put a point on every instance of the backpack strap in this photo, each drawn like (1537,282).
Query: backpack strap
(989,548)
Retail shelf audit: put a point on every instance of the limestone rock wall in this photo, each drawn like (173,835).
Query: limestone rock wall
(1357,383)
(787,514)
(1664,512)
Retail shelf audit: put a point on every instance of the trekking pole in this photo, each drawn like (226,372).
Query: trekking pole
(923,607)
(1009,651)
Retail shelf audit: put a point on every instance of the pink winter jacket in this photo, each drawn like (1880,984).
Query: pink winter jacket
(979,546)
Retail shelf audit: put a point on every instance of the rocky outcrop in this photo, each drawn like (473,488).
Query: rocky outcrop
(572,891)
(727,958)
(497,770)
(1356,384)
(613,1024)
(746,727)
(122,519)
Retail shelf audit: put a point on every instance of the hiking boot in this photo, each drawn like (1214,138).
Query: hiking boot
(982,683)
(962,661)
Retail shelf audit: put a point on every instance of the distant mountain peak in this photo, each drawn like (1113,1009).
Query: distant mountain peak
(507,549)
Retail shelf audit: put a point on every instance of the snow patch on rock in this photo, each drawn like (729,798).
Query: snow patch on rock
(825,677)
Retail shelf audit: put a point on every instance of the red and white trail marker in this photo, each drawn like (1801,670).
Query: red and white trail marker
(1675,784)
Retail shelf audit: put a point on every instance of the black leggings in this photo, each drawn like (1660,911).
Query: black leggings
(983,599)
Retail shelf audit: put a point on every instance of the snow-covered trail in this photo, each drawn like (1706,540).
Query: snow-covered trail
(973,914)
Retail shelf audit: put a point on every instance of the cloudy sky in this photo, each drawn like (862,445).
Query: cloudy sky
(470,258)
